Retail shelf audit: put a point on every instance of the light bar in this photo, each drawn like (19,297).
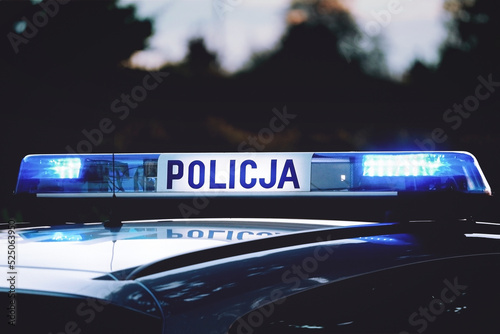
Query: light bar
(250,174)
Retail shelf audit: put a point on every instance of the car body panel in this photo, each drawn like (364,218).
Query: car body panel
(221,291)
(220,280)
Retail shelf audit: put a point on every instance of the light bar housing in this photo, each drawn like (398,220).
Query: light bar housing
(250,174)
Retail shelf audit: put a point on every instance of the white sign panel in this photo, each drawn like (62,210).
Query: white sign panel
(234,172)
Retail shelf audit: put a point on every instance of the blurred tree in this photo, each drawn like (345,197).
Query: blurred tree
(60,58)
(59,70)
(86,35)
(56,48)
(474,39)
(327,84)
(471,49)
(323,34)
(200,61)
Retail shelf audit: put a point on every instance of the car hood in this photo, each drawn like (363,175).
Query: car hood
(92,260)
(94,248)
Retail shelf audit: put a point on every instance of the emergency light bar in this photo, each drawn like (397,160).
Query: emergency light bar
(250,174)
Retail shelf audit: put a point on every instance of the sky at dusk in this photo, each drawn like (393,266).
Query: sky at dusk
(236,29)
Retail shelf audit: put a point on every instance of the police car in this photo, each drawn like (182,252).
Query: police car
(240,243)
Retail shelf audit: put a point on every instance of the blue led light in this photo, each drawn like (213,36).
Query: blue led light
(65,168)
(420,164)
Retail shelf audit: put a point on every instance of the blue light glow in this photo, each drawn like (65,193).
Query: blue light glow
(60,236)
(419,164)
(64,168)
(395,240)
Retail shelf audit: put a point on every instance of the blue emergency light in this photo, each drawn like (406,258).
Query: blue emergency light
(250,174)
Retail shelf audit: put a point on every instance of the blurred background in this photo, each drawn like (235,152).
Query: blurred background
(248,75)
